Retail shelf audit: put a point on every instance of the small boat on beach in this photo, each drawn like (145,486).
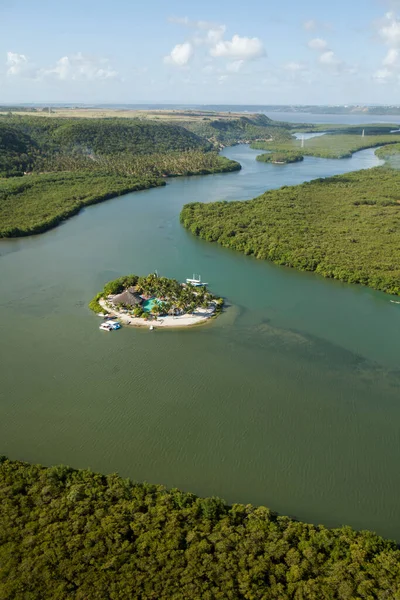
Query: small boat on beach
(196,281)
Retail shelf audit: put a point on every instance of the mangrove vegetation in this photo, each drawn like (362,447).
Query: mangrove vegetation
(51,168)
(35,203)
(333,145)
(76,534)
(346,227)
(281,158)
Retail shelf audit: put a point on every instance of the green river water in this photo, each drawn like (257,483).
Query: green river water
(290,399)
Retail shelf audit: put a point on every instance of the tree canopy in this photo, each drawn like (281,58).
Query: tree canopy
(75,534)
(346,227)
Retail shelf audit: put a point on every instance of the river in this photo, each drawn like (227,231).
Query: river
(290,399)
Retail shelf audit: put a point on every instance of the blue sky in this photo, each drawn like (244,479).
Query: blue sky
(229,52)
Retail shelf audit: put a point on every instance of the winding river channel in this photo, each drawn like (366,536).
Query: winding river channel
(290,399)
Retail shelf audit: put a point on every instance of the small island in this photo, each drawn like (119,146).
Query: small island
(156,301)
(281,158)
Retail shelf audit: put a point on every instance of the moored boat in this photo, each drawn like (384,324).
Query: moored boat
(196,281)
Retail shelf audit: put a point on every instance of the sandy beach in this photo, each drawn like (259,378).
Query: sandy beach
(200,315)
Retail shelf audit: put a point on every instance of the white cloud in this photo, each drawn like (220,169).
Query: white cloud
(180,55)
(179,20)
(310,25)
(389,30)
(383,75)
(215,34)
(235,66)
(392,58)
(80,67)
(239,48)
(318,44)
(294,66)
(330,59)
(18,64)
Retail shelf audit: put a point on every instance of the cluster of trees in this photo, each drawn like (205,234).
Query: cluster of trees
(171,294)
(75,534)
(115,136)
(281,157)
(227,131)
(16,151)
(329,146)
(346,227)
(391,154)
(172,164)
(96,160)
(104,135)
(36,203)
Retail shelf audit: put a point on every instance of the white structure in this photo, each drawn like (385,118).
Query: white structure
(196,281)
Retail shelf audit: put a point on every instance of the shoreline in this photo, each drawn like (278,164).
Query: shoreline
(199,316)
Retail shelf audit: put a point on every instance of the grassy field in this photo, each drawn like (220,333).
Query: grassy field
(97,113)
(35,203)
(345,227)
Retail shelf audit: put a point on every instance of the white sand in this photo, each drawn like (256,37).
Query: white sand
(200,315)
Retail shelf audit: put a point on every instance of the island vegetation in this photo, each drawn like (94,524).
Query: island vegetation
(76,534)
(281,158)
(345,227)
(339,145)
(135,300)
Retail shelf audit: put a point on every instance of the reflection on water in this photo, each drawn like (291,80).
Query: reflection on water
(289,399)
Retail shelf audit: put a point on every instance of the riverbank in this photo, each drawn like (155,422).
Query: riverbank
(107,537)
(345,227)
(242,408)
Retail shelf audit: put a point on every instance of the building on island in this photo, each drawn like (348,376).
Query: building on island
(129,297)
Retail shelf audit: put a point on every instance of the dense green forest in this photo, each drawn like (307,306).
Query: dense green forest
(99,158)
(76,534)
(242,129)
(28,141)
(281,157)
(346,227)
(329,146)
(114,136)
(35,203)
(172,164)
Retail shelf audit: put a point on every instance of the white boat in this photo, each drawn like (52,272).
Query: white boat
(105,327)
(151,327)
(196,281)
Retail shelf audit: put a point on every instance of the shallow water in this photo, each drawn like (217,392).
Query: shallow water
(290,399)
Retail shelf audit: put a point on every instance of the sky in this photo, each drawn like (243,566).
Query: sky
(213,52)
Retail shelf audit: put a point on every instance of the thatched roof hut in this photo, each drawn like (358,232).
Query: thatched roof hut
(128,297)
